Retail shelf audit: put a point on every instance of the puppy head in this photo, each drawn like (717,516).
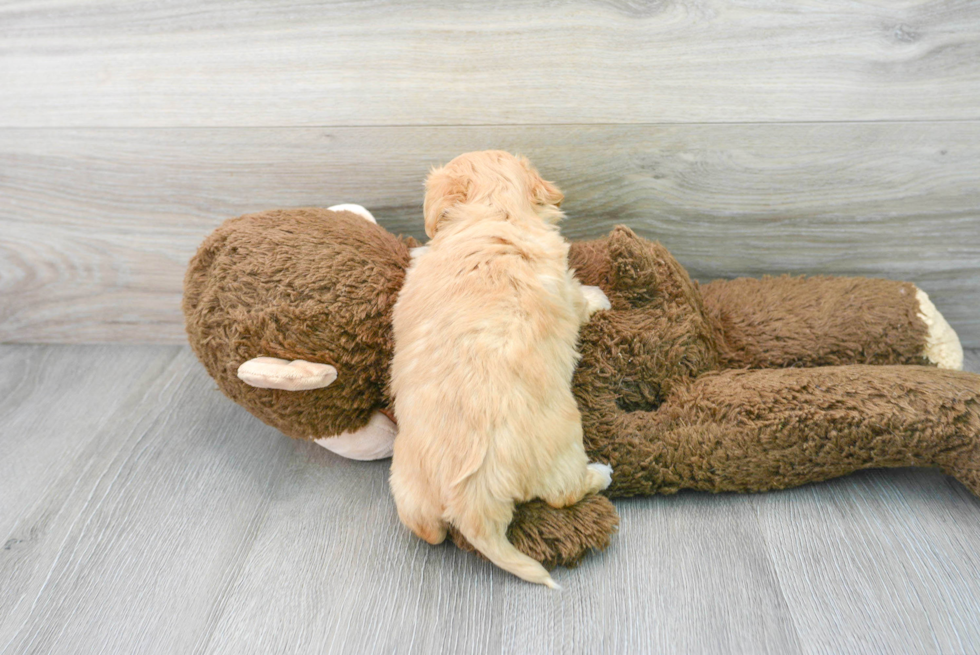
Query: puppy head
(493,178)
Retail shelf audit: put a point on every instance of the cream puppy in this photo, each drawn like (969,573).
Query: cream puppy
(486,327)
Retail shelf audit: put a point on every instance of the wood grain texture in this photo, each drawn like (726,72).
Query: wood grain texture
(154,516)
(132,519)
(868,582)
(191,63)
(96,226)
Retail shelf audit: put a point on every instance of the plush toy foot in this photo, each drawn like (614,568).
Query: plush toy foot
(942,345)
(558,537)
(960,458)
(297,375)
(356,209)
(964,464)
(376,440)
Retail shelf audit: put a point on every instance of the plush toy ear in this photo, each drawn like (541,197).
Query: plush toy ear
(442,191)
(356,209)
(297,375)
(634,267)
(644,271)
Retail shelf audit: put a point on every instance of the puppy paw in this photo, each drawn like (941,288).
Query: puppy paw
(601,474)
(595,299)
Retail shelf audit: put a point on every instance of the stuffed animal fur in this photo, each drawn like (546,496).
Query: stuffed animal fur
(745,385)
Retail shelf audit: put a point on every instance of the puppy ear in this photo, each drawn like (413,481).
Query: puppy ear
(547,193)
(442,191)
(542,191)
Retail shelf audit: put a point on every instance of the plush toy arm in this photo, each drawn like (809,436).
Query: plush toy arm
(757,430)
(819,321)
(777,322)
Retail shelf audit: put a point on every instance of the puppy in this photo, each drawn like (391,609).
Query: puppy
(486,327)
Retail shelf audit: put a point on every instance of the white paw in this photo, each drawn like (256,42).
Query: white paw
(595,299)
(356,209)
(605,471)
(942,345)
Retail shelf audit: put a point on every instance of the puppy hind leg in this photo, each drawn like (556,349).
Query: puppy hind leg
(424,521)
(600,476)
(593,479)
(417,510)
(573,479)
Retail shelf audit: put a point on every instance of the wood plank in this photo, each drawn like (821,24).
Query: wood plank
(894,552)
(688,574)
(654,591)
(878,562)
(98,224)
(122,533)
(174,522)
(191,63)
(53,403)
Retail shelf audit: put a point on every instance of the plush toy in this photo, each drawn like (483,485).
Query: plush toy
(744,385)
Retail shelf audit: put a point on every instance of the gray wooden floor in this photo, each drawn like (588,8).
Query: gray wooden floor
(140,511)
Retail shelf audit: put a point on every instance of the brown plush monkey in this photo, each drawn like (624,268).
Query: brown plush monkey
(743,385)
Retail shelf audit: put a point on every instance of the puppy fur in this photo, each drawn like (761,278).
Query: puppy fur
(486,329)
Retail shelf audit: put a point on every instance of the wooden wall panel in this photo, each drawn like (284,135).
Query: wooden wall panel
(392,62)
(97,224)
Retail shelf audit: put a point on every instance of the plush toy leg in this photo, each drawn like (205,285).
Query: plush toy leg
(760,430)
(756,430)
(825,321)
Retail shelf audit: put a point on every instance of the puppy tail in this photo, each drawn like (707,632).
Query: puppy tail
(491,541)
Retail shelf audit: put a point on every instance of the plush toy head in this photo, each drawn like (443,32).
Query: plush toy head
(304,284)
